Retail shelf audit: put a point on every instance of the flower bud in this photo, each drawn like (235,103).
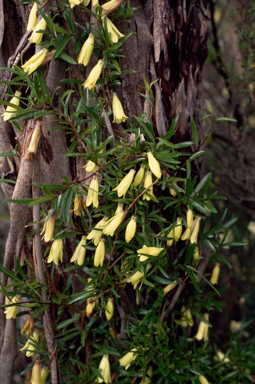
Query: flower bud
(196,254)
(78,205)
(32,19)
(44,372)
(171,237)
(130,229)
(110,6)
(173,191)
(11,110)
(178,229)
(56,252)
(117,109)
(139,176)
(86,51)
(99,254)
(169,287)
(154,165)
(203,329)
(109,309)
(36,373)
(195,230)
(29,326)
(94,75)
(215,274)
(147,182)
(105,372)
(147,379)
(48,228)
(80,252)
(221,357)
(203,380)
(32,148)
(189,217)
(186,318)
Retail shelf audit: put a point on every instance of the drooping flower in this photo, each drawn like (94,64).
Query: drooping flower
(86,3)
(125,183)
(115,35)
(139,176)
(154,165)
(44,372)
(186,318)
(32,19)
(203,329)
(94,75)
(147,379)
(28,327)
(171,237)
(170,287)
(80,252)
(189,217)
(36,37)
(126,360)
(56,252)
(95,3)
(32,148)
(86,51)
(90,302)
(178,229)
(97,233)
(30,347)
(203,380)
(215,274)
(92,196)
(11,110)
(36,373)
(91,166)
(119,208)
(35,61)
(130,229)
(78,205)
(110,6)
(147,182)
(109,309)
(196,254)
(117,109)
(186,234)
(105,371)
(195,230)
(48,228)
(136,277)
(221,357)
(151,251)
(113,223)
(99,254)
(74,2)
(11,312)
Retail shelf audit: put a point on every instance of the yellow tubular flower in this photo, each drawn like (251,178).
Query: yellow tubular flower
(130,229)
(139,176)
(154,165)
(178,229)
(151,251)
(35,61)
(126,360)
(196,254)
(221,357)
(11,110)
(117,109)
(86,3)
(109,309)
(99,254)
(11,312)
(80,252)
(35,138)
(203,329)
(115,35)
(29,347)
(32,20)
(56,252)
(203,380)
(97,233)
(36,37)
(215,274)
(74,2)
(110,6)
(113,224)
(91,166)
(169,287)
(29,327)
(36,373)
(119,209)
(48,228)
(186,234)
(78,205)
(147,182)
(94,75)
(105,371)
(189,217)
(195,230)
(186,318)
(125,183)
(43,375)
(147,379)
(171,237)
(95,3)
(86,50)
(92,196)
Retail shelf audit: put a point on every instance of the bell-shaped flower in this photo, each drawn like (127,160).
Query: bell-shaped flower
(48,228)
(139,176)
(170,287)
(36,36)
(154,165)
(170,236)
(72,3)
(221,357)
(36,373)
(151,251)
(189,217)
(127,359)
(94,75)
(80,252)
(202,380)
(86,3)
(147,182)
(11,312)
(91,166)
(105,371)
(86,51)
(110,6)
(147,379)
(130,229)
(117,109)
(178,229)
(99,254)
(203,329)
(215,274)
(97,233)
(125,183)
(109,309)
(113,224)
(119,208)
(92,196)
(44,372)
(35,61)
(115,35)
(195,230)
(35,137)
(32,19)
(11,110)
(78,205)
(186,318)
(30,346)
(56,252)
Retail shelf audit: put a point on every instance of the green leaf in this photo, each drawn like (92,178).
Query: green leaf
(61,47)
(7,181)
(225,119)
(67,207)
(67,322)
(205,180)
(4,154)
(194,130)
(67,58)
